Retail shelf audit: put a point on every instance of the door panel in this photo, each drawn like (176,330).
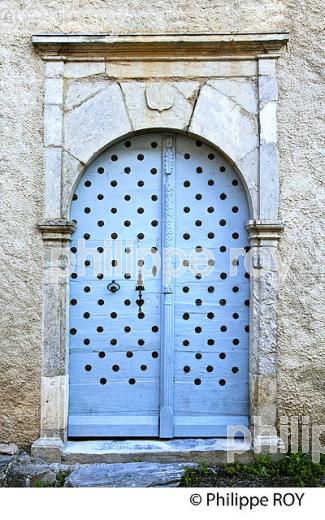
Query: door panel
(179,365)
(114,348)
(211,372)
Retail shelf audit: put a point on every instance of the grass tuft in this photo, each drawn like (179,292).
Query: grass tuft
(293,469)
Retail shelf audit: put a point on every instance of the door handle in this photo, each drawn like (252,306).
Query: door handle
(113,287)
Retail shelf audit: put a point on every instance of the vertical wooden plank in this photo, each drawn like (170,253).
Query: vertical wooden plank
(167,350)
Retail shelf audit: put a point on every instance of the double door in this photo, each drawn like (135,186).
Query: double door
(159,293)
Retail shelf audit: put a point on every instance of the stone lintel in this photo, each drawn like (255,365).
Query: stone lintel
(160,46)
(56,230)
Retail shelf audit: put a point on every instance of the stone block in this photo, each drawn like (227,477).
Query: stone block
(268,125)
(52,125)
(83,69)
(179,69)
(160,96)
(242,91)
(269,445)
(54,69)
(78,92)
(133,474)
(52,166)
(5,461)
(212,451)
(71,172)
(47,449)
(158,105)
(96,123)
(8,448)
(53,91)
(269,181)
(268,89)
(248,168)
(54,413)
(26,473)
(222,121)
(266,67)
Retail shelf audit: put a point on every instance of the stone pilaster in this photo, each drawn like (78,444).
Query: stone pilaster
(55,379)
(264,236)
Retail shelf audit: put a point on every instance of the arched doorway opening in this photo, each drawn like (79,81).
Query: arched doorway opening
(159,293)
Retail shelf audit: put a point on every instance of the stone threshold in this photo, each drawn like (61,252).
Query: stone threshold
(212,451)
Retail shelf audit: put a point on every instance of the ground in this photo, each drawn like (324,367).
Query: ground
(292,470)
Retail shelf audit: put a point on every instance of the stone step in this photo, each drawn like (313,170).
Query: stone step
(211,451)
(132,474)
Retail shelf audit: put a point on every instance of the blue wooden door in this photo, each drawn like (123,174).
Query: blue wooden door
(114,348)
(161,214)
(211,295)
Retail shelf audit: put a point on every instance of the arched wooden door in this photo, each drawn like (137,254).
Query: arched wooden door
(166,214)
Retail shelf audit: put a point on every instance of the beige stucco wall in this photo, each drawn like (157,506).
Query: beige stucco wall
(300,351)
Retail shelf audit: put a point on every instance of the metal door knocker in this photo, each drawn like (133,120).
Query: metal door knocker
(140,288)
(113,287)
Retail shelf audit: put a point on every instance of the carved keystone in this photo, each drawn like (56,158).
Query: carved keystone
(160,97)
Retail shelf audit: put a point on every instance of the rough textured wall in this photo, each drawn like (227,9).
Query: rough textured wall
(301,354)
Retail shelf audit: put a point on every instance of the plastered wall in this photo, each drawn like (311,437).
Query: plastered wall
(301,352)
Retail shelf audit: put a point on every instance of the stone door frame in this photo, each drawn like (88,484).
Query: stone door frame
(100,89)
